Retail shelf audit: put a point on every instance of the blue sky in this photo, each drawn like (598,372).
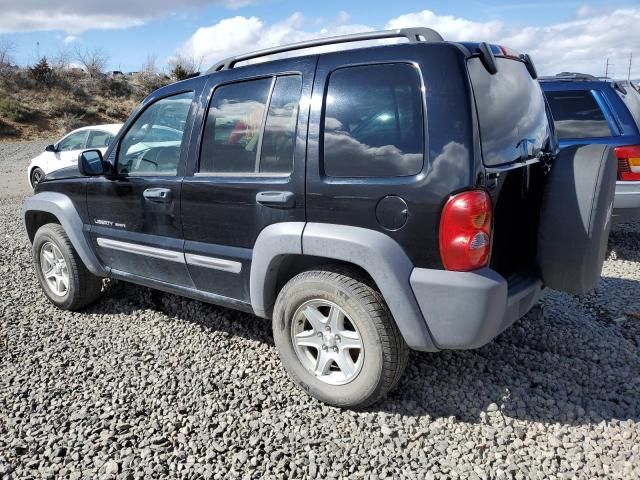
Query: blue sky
(560,35)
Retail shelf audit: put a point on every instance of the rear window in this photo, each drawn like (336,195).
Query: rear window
(373,124)
(576,114)
(511,112)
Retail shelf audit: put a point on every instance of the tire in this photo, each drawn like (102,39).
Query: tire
(377,365)
(576,218)
(36,176)
(82,289)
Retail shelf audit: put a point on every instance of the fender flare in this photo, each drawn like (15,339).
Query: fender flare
(273,244)
(376,253)
(61,207)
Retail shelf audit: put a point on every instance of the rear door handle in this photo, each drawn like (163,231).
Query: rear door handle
(276,199)
(157,194)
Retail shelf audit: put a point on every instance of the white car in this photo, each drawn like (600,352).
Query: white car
(65,152)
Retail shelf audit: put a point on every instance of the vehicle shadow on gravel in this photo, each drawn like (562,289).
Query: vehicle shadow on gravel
(126,298)
(574,365)
(578,364)
(624,242)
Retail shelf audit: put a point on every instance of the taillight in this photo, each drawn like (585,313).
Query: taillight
(628,162)
(465,231)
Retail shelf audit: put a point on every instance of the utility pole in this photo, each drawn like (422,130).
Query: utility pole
(606,70)
(629,71)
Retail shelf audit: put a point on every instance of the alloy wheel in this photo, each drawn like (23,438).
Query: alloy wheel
(327,342)
(54,269)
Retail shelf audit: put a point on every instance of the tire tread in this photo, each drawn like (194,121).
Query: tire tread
(395,349)
(89,286)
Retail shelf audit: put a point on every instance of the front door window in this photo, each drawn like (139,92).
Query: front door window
(153,144)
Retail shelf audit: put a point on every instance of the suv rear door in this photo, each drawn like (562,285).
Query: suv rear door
(247,169)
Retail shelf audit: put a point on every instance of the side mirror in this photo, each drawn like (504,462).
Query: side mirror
(50,148)
(90,163)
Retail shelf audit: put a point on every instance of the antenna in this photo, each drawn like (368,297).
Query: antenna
(629,71)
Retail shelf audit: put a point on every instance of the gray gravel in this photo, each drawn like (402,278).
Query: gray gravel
(146,384)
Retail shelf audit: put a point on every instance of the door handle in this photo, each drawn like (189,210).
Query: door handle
(276,199)
(157,194)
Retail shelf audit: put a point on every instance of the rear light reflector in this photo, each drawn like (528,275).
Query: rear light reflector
(509,52)
(628,162)
(465,231)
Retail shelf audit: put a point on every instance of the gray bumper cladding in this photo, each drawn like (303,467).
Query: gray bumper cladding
(468,309)
(626,206)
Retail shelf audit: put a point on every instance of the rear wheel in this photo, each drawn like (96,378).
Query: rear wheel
(63,277)
(336,338)
(36,176)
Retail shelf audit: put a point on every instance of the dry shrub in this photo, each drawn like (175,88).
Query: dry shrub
(59,104)
(70,121)
(13,110)
(7,130)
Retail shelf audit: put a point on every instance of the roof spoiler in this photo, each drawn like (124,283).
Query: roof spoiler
(488,58)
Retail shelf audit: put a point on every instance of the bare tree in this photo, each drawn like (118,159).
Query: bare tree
(61,60)
(149,67)
(93,60)
(183,65)
(7,48)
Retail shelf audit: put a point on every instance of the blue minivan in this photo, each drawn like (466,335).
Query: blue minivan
(587,109)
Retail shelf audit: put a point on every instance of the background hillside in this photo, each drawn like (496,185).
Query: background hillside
(48,100)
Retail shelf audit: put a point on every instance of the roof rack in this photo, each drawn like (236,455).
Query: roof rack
(563,76)
(414,35)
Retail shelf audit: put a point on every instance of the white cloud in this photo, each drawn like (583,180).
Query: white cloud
(30,15)
(581,44)
(69,39)
(242,34)
(451,28)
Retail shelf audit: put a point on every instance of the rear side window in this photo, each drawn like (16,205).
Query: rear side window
(576,114)
(240,139)
(373,122)
(98,139)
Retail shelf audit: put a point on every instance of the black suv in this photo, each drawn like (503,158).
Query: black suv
(368,201)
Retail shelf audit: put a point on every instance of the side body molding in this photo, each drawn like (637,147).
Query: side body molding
(62,208)
(274,243)
(385,261)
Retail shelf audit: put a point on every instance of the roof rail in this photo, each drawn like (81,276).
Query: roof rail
(570,76)
(414,35)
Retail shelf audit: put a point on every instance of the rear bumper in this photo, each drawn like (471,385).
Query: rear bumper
(466,310)
(626,206)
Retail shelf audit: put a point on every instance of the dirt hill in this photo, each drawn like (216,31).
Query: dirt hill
(40,102)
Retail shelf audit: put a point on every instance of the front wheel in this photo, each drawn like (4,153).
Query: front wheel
(337,339)
(63,277)
(37,174)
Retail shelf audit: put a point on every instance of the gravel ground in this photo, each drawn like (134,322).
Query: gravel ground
(151,385)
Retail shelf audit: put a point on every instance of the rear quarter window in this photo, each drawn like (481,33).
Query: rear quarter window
(373,122)
(576,114)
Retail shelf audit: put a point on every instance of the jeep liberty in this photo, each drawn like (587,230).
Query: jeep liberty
(368,201)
